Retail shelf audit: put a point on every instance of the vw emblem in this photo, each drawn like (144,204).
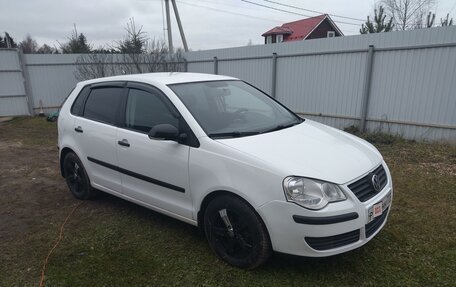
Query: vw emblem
(375,182)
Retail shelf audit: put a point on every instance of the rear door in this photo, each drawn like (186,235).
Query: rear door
(96,132)
(153,171)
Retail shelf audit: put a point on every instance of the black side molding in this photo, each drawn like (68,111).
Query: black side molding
(137,175)
(325,220)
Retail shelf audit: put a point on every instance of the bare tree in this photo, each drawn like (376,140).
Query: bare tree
(156,58)
(408,14)
(95,65)
(134,54)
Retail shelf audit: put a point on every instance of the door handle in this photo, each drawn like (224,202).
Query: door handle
(78,129)
(124,142)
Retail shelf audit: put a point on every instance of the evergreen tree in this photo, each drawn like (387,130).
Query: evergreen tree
(7,41)
(446,21)
(430,20)
(46,49)
(134,42)
(378,25)
(77,44)
(28,45)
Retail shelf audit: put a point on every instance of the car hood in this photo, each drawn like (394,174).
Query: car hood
(311,150)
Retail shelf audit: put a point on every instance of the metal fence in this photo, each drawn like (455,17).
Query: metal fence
(399,82)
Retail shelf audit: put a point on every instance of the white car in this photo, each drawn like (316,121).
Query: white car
(220,154)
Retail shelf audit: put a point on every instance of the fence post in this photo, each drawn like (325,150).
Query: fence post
(366,88)
(215,65)
(274,75)
(26,82)
(185,65)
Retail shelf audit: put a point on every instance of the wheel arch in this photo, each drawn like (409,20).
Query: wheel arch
(216,193)
(63,153)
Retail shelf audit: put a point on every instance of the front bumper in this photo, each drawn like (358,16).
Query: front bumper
(337,228)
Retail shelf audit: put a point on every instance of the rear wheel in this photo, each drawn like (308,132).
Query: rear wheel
(76,177)
(236,233)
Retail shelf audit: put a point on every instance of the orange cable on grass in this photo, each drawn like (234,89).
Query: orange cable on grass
(57,243)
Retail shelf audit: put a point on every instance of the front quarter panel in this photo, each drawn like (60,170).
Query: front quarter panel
(215,167)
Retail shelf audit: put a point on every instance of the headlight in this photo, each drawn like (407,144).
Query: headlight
(311,193)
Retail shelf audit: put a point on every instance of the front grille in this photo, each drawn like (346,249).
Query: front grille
(363,188)
(375,224)
(330,242)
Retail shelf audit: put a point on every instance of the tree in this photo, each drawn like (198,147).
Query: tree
(28,45)
(7,42)
(134,41)
(46,49)
(77,44)
(379,24)
(155,58)
(446,21)
(425,22)
(407,14)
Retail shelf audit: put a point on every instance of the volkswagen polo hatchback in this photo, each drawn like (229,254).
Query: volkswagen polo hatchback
(218,153)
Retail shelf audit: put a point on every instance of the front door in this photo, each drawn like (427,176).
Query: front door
(153,171)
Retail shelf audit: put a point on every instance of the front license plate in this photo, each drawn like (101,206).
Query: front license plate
(378,208)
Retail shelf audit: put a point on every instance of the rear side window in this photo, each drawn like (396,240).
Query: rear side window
(103,104)
(76,109)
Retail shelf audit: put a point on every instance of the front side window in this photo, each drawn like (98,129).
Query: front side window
(103,104)
(145,110)
(233,108)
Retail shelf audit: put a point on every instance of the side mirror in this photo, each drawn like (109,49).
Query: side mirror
(164,132)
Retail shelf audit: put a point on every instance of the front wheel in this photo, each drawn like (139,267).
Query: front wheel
(236,233)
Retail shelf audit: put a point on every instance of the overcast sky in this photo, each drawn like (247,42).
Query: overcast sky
(208,24)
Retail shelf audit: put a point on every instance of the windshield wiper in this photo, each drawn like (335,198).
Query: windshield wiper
(281,127)
(234,134)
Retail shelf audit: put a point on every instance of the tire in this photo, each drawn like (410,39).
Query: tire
(76,177)
(247,244)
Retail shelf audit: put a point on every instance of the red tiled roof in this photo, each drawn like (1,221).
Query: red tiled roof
(299,29)
(278,30)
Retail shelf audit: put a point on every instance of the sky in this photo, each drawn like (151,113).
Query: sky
(208,24)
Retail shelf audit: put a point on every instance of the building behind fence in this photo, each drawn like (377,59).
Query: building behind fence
(399,82)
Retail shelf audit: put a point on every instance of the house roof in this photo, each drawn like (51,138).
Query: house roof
(301,29)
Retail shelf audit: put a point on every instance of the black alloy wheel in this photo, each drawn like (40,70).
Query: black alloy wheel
(236,233)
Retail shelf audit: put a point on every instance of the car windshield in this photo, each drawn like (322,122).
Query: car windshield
(233,108)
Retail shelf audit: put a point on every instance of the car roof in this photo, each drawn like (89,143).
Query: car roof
(163,78)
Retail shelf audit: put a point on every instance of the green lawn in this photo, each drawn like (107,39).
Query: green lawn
(110,242)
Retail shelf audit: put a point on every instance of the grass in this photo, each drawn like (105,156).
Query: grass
(110,242)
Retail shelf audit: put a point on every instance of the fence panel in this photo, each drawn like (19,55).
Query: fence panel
(13,96)
(248,71)
(51,79)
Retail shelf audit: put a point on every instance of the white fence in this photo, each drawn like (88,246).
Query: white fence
(399,82)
